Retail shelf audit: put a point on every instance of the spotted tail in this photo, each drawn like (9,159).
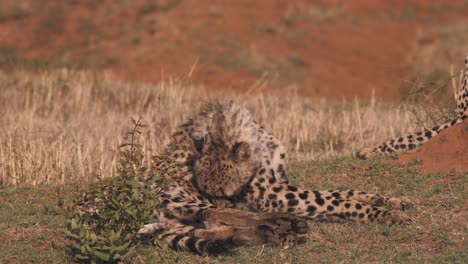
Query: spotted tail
(462,99)
(414,140)
(200,246)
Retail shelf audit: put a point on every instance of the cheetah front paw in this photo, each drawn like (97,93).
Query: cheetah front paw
(397,217)
(283,228)
(366,153)
(151,228)
(400,203)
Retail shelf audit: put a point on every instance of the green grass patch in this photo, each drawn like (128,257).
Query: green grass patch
(32,227)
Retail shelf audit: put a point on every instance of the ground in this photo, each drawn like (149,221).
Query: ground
(438,234)
(447,151)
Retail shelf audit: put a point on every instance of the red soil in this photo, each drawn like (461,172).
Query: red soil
(333,49)
(446,151)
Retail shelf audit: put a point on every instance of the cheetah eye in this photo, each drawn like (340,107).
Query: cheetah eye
(241,151)
(199,143)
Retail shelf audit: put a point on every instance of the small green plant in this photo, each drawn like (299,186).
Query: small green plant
(415,161)
(104,222)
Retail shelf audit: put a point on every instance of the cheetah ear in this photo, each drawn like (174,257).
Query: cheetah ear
(241,151)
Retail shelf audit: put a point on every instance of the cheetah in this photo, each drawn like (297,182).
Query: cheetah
(413,140)
(231,188)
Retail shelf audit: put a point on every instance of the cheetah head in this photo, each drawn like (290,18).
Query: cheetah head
(225,162)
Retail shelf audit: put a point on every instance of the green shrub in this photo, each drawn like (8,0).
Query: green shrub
(104,222)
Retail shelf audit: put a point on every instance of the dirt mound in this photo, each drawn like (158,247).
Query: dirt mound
(446,151)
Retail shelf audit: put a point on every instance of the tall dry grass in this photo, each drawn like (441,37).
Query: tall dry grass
(66,126)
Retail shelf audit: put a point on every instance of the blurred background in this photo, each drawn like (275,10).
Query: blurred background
(336,49)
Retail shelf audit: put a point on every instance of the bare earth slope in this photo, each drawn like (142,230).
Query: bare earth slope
(446,151)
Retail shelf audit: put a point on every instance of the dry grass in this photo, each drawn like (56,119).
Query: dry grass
(65,126)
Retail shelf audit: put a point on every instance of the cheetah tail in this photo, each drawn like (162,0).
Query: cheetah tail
(201,246)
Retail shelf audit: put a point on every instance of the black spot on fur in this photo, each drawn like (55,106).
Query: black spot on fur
(177,199)
(336,194)
(290,196)
(303,196)
(277,189)
(361,215)
(272,180)
(330,208)
(311,208)
(319,201)
(272,196)
(377,214)
(283,174)
(428,134)
(335,202)
(272,172)
(347,205)
(293,202)
(280,167)
(261,171)
(358,206)
(283,155)
(261,179)
(292,188)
